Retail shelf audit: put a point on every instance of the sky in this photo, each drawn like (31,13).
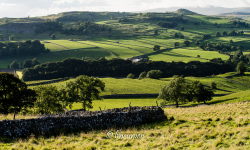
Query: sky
(24,8)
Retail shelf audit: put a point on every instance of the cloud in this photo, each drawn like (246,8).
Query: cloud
(23,8)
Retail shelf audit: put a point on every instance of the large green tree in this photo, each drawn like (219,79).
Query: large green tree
(175,91)
(180,90)
(50,100)
(199,92)
(84,90)
(14,95)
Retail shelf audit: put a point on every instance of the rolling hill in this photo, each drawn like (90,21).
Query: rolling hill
(210,10)
(222,123)
(130,35)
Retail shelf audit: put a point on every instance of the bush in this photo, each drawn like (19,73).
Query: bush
(213,85)
(157,48)
(142,75)
(154,74)
(241,68)
(131,76)
(27,48)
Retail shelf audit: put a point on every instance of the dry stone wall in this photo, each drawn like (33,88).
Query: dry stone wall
(80,121)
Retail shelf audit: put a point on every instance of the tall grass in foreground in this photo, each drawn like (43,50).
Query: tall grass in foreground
(223,126)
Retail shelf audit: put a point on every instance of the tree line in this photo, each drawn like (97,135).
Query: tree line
(27,48)
(86,28)
(28,63)
(232,33)
(240,24)
(83,28)
(121,68)
(223,47)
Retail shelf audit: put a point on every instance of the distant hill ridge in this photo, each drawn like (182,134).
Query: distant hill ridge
(236,14)
(185,12)
(210,10)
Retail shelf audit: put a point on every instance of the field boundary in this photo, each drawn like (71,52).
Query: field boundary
(79,121)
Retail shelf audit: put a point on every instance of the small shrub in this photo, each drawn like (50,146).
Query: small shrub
(171,118)
(157,48)
(142,75)
(128,144)
(131,76)
(179,122)
(229,118)
(240,143)
(154,74)
(209,119)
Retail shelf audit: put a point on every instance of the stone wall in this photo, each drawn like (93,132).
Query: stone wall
(80,121)
(48,82)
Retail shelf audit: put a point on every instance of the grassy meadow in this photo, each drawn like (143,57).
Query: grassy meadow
(230,89)
(226,84)
(222,126)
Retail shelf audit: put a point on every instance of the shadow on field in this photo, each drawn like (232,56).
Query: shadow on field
(245,43)
(223,91)
(221,101)
(237,75)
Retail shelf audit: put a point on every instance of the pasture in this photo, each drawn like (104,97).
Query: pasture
(226,84)
(63,49)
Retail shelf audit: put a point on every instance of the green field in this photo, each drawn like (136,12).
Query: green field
(243,41)
(120,103)
(226,84)
(61,55)
(187,55)
(230,88)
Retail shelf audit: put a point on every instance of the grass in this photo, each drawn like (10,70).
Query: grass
(239,41)
(234,97)
(124,86)
(59,45)
(235,89)
(119,103)
(61,55)
(62,49)
(225,84)
(223,126)
(208,19)
(133,86)
(187,55)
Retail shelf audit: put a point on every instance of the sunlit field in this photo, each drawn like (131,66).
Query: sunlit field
(222,126)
